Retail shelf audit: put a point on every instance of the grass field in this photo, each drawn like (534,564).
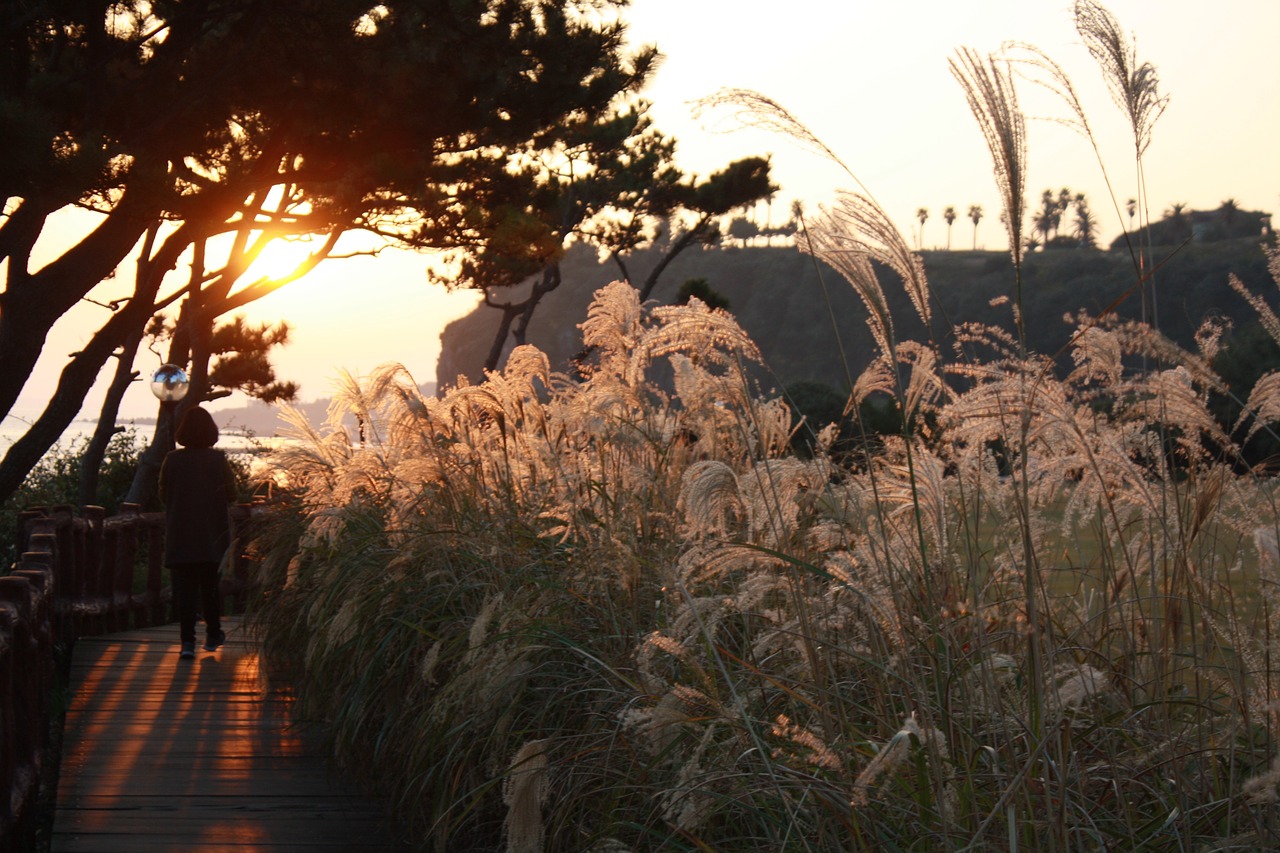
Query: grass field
(614,611)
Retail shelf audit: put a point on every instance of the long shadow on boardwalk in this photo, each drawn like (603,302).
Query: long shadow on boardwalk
(162,754)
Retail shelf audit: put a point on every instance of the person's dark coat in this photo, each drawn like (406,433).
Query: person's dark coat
(196,485)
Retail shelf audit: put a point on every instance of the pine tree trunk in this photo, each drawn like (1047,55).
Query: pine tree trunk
(68,397)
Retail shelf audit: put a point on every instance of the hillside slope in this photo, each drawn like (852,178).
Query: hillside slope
(804,316)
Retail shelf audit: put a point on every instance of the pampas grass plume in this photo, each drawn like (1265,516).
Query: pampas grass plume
(524,793)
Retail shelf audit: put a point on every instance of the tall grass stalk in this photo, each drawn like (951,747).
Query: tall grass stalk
(611,611)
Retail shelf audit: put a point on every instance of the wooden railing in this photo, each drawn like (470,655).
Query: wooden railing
(26,680)
(78,574)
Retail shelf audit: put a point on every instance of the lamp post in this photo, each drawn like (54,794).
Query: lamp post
(169,384)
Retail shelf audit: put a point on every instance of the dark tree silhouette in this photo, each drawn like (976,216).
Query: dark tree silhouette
(699,288)
(975,214)
(620,191)
(1085,229)
(176,122)
(1229,210)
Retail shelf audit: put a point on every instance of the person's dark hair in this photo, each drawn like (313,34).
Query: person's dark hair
(197,429)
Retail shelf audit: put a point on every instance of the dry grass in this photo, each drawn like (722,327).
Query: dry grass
(611,612)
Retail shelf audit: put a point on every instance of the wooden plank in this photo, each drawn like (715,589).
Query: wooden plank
(200,840)
(163,754)
(228,824)
(196,841)
(291,803)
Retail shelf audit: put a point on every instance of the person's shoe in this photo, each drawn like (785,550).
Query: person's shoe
(188,650)
(212,642)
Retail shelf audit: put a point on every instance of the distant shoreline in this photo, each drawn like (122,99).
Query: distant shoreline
(254,420)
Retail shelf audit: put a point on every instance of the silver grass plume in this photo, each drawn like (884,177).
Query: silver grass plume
(918,490)
(1208,337)
(690,798)
(859,214)
(1266,316)
(711,567)
(1173,397)
(1263,405)
(1264,400)
(856,268)
(1038,68)
(1043,71)
(878,376)
(1265,787)
(871,602)
(815,750)
(1097,355)
(988,86)
(524,792)
(775,493)
(925,386)
(349,396)
(890,758)
(1133,85)
(659,725)
(613,323)
(1141,339)
(752,109)
(856,224)
(710,498)
(1073,685)
(525,364)
(713,336)
(313,457)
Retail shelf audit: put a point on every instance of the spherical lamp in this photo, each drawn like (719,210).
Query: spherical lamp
(170,383)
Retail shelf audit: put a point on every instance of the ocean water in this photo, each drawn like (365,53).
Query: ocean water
(12,428)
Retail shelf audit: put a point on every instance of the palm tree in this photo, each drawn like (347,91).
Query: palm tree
(922,214)
(797,215)
(950,215)
(1229,210)
(1086,227)
(1045,220)
(1179,228)
(975,213)
(1064,204)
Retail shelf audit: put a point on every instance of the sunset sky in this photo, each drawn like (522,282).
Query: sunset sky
(871,80)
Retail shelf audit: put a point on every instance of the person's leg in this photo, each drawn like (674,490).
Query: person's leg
(183,579)
(211,602)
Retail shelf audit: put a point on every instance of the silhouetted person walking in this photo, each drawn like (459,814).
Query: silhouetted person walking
(197,486)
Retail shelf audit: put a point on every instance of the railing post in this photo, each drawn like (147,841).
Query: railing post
(41,585)
(24,683)
(9,734)
(88,539)
(63,519)
(90,571)
(98,588)
(121,580)
(25,519)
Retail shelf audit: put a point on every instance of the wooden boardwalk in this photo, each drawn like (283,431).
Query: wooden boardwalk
(162,754)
